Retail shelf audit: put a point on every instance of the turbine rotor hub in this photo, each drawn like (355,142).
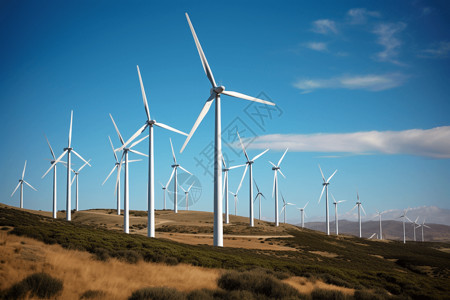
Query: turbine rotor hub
(175,166)
(68,149)
(151,122)
(219,89)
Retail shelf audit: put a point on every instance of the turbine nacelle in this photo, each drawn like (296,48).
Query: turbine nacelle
(151,122)
(68,149)
(218,90)
(325,183)
(175,166)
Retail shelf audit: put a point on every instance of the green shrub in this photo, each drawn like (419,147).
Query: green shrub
(40,285)
(201,295)
(319,294)
(130,256)
(101,254)
(367,295)
(157,293)
(171,261)
(92,294)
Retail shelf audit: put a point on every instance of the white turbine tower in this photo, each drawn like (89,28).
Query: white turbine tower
(151,169)
(248,165)
(380,236)
(303,214)
(75,178)
(236,200)
(215,93)
(175,167)
(276,169)
(258,196)
(423,225)
(415,225)
(285,205)
(336,220)
(325,187)
(404,218)
(124,161)
(359,205)
(55,208)
(164,188)
(68,150)
(21,182)
(186,195)
(225,170)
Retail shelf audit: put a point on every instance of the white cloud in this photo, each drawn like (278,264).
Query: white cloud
(324,26)
(438,50)
(317,46)
(370,82)
(433,142)
(359,15)
(387,37)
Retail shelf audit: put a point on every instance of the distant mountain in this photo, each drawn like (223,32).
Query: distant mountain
(392,230)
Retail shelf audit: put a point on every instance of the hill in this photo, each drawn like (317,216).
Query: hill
(391,269)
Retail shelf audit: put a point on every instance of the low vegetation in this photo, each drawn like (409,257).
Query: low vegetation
(40,285)
(359,264)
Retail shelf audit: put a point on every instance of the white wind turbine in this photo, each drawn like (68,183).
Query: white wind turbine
(325,187)
(359,205)
(124,161)
(415,225)
(225,170)
(248,165)
(285,205)
(336,221)
(423,225)
(21,182)
(55,208)
(404,218)
(303,213)
(380,236)
(116,168)
(175,167)
(276,169)
(236,200)
(258,196)
(151,169)
(164,188)
(215,93)
(68,150)
(75,178)
(186,194)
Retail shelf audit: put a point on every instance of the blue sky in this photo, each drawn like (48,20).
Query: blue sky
(361,87)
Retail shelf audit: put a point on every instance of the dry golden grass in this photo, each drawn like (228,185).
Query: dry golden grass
(22,256)
(306,286)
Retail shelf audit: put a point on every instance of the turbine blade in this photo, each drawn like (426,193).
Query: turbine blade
(170,179)
(190,187)
(134,160)
(242,145)
(30,185)
(115,156)
(353,208)
(170,128)
(242,179)
(245,97)
(81,157)
(182,188)
(117,130)
(51,150)
(234,167)
(306,205)
(54,163)
(73,179)
(334,200)
(279,170)
(83,166)
(135,135)
(201,54)
(331,176)
(200,117)
(281,159)
(363,210)
(272,164)
(323,189)
(259,155)
(137,142)
(223,184)
(24,167)
(119,168)
(223,162)
(70,129)
(110,173)
(323,177)
(144,97)
(15,189)
(257,188)
(185,170)
(173,153)
(137,152)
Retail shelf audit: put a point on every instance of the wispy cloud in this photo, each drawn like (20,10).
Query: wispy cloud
(370,82)
(360,15)
(388,38)
(433,142)
(317,46)
(324,26)
(438,50)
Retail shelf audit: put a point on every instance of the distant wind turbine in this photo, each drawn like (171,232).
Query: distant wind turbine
(404,219)
(236,200)
(68,150)
(215,93)
(325,187)
(75,178)
(175,167)
(186,194)
(225,170)
(21,182)
(303,214)
(258,196)
(164,188)
(415,225)
(423,225)
(276,169)
(285,205)
(380,236)
(359,205)
(336,221)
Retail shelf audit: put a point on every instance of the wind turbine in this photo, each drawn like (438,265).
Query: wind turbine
(276,169)
(235,195)
(125,150)
(75,178)
(336,221)
(248,165)
(215,93)
(415,225)
(55,209)
(404,217)
(359,205)
(258,195)
(325,187)
(151,170)
(68,150)
(303,213)
(186,193)
(116,168)
(285,204)
(381,231)
(225,185)
(175,167)
(423,225)
(21,182)
(373,235)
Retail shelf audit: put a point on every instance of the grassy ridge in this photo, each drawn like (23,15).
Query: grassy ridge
(357,263)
